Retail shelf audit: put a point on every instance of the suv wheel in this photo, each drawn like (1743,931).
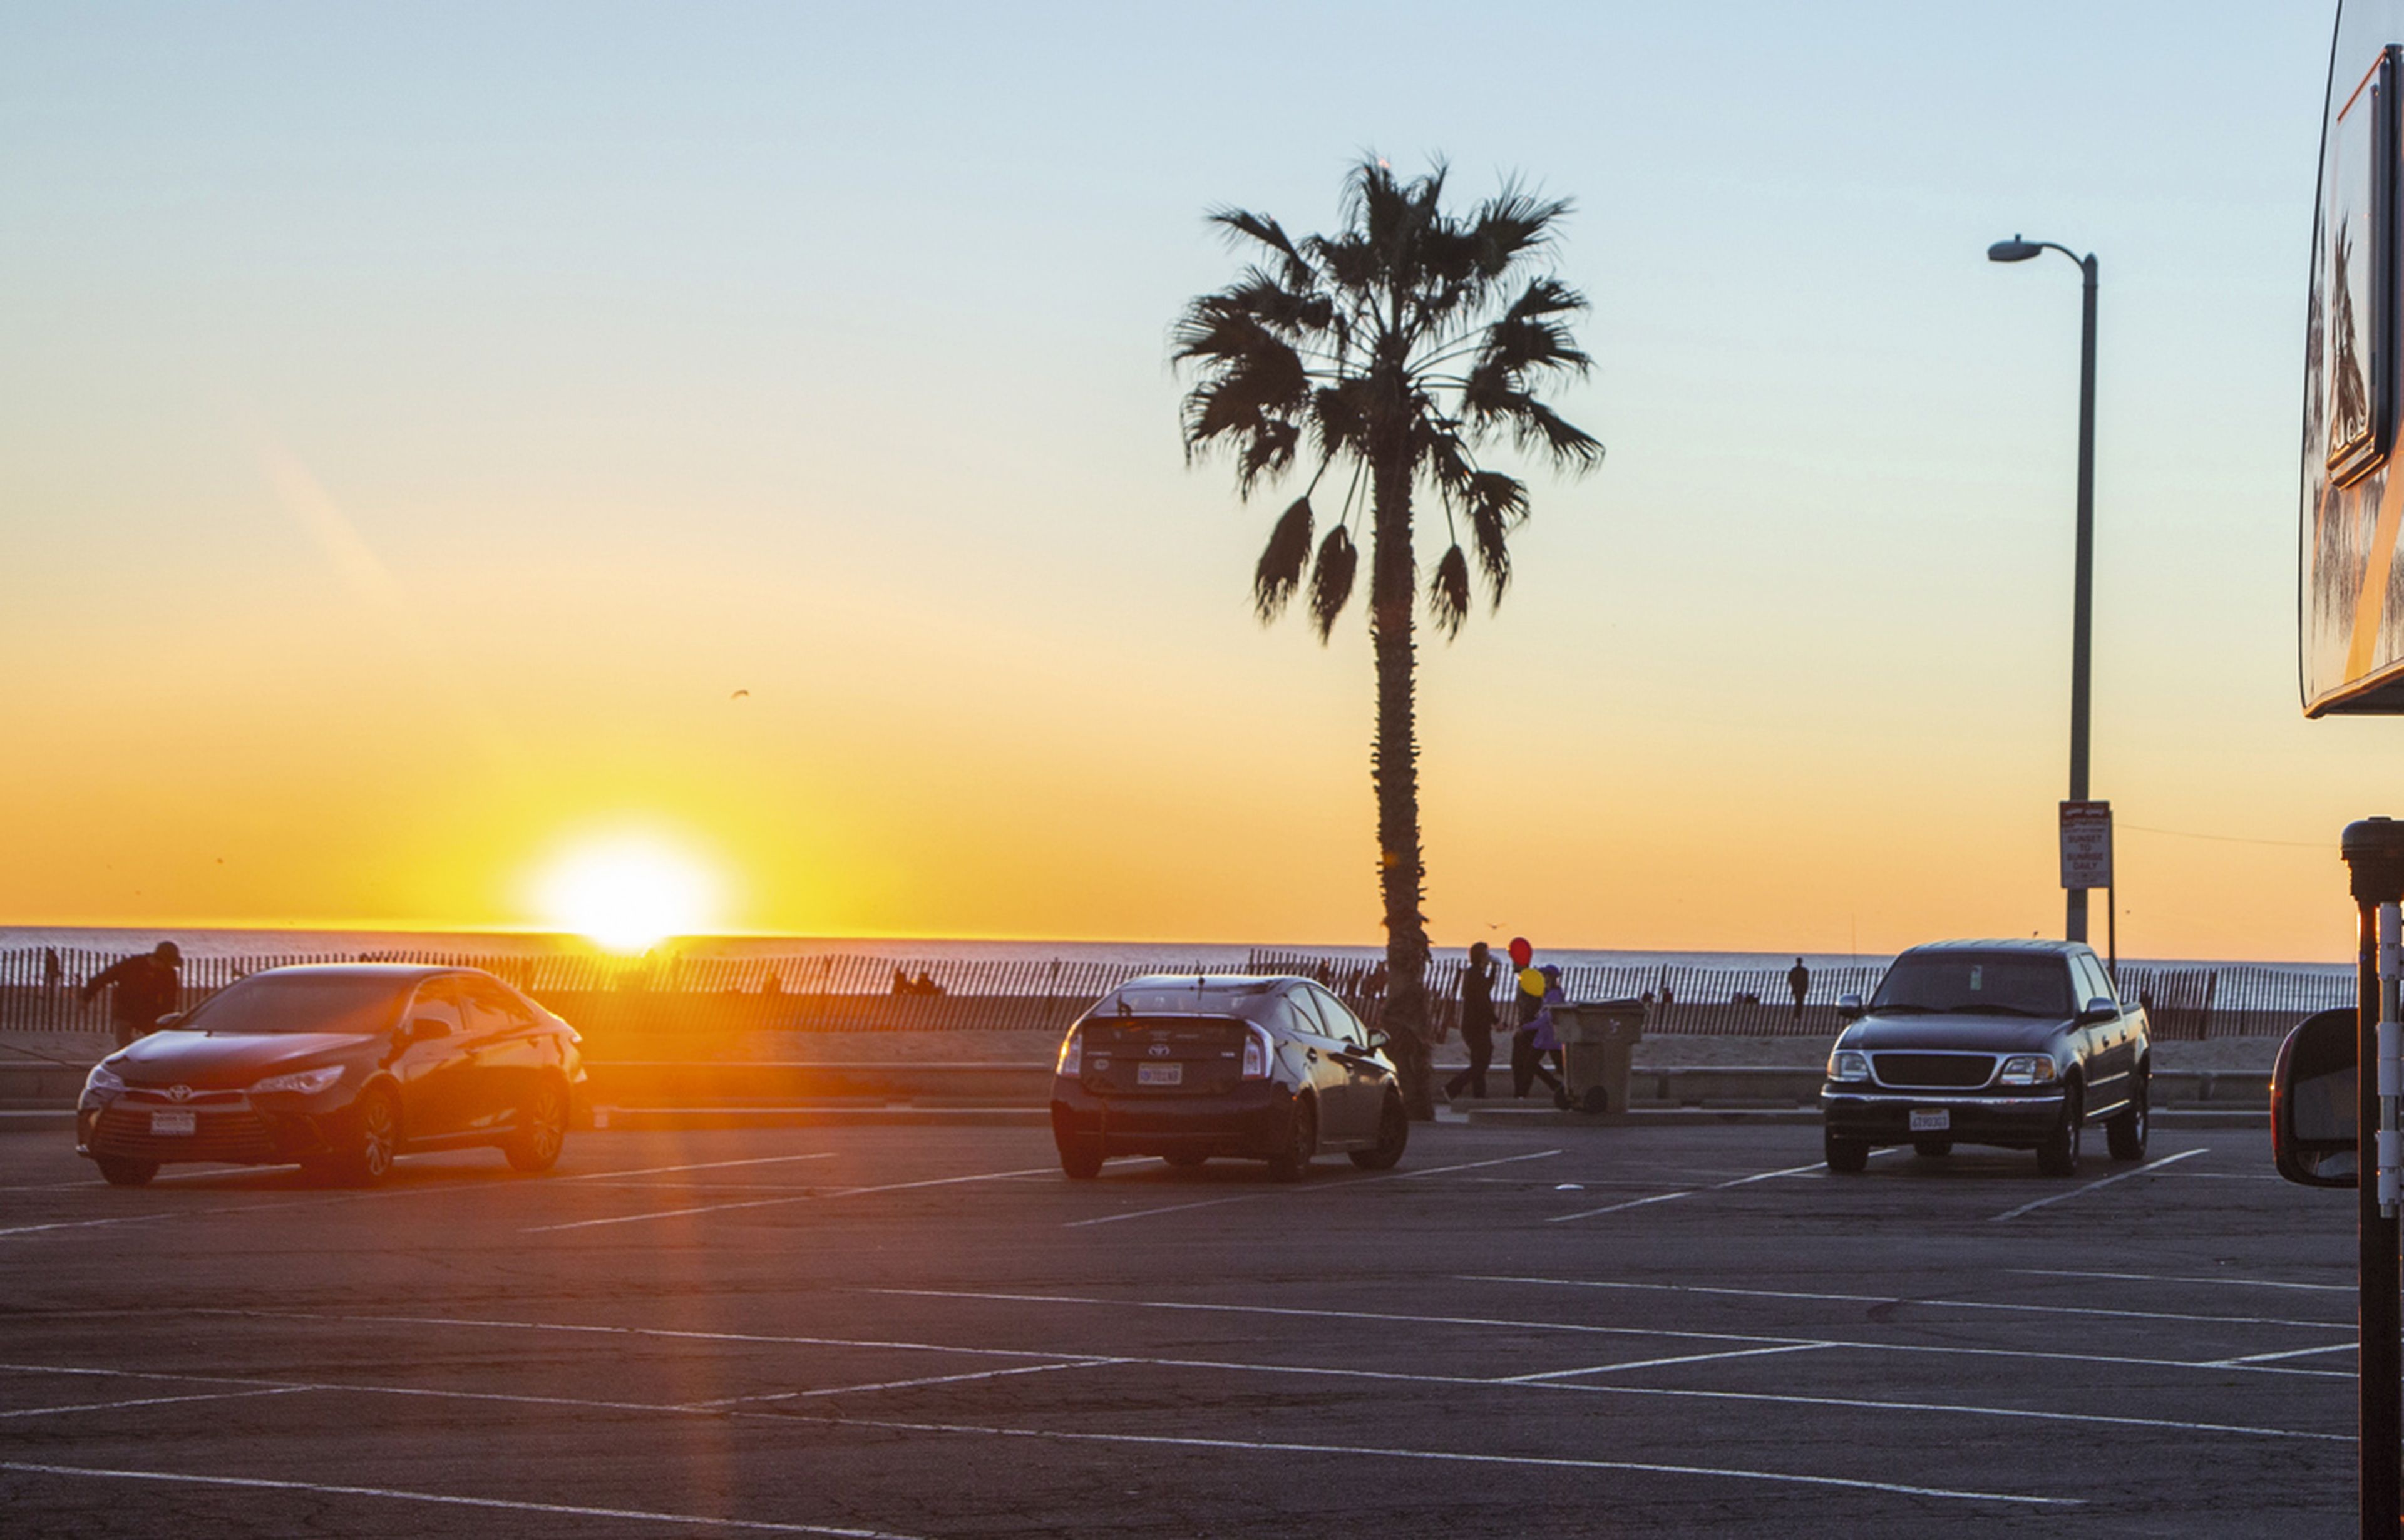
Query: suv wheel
(2059,1154)
(1846,1156)
(2125,1135)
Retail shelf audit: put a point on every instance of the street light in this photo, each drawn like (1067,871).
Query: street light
(2083,587)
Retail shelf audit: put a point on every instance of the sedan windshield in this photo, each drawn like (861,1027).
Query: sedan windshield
(1976,982)
(299,1003)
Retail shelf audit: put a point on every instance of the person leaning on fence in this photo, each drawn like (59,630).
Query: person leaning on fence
(1798,983)
(147,986)
(1476,1022)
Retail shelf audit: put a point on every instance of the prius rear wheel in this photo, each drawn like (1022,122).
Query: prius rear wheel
(1393,1136)
(1293,1163)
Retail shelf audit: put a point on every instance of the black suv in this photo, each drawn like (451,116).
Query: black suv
(2018,1044)
(1186,1067)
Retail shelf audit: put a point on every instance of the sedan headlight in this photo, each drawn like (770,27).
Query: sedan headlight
(2028,1070)
(102,1080)
(1845,1064)
(301,1081)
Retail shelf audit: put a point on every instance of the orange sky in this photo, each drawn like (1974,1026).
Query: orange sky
(403,464)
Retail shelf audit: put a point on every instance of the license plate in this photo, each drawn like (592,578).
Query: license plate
(1160,1074)
(174,1122)
(1930,1120)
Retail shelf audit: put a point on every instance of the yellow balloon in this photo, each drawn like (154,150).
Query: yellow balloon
(1530,981)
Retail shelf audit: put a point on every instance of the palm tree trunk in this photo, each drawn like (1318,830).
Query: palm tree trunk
(1394,772)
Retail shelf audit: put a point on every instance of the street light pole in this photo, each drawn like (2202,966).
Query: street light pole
(2082,618)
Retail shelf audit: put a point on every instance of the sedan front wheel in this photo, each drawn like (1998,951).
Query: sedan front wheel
(541,1131)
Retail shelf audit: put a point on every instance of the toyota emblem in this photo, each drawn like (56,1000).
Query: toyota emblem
(1160,1050)
(179,1093)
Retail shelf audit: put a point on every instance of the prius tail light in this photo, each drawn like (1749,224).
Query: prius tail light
(1256,1053)
(1072,1052)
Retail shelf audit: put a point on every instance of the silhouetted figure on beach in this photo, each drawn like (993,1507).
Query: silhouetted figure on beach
(925,986)
(1799,984)
(147,986)
(900,984)
(1476,1022)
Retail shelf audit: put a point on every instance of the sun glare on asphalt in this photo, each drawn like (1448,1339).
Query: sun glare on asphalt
(627,894)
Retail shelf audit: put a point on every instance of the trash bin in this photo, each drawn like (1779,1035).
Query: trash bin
(1598,1037)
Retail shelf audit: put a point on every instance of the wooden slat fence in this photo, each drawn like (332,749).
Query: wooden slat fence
(40,990)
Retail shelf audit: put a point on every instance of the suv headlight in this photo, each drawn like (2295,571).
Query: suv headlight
(301,1081)
(1846,1064)
(2028,1070)
(102,1080)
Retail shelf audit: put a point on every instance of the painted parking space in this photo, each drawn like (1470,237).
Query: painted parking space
(929,1332)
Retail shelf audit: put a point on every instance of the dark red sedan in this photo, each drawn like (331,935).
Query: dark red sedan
(341,1068)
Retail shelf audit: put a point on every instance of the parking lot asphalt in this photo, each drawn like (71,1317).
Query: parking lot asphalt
(929,1332)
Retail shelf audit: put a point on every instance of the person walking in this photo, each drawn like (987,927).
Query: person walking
(147,986)
(1535,1039)
(1476,1022)
(1798,983)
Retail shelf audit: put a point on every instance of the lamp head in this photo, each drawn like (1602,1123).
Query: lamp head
(2013,250)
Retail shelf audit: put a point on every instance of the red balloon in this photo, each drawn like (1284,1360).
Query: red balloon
(1521,953)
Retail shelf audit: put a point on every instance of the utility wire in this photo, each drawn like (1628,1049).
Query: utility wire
(2232,839)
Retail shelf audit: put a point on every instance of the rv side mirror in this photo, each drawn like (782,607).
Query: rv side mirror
(2312,1103)
(1848,1008)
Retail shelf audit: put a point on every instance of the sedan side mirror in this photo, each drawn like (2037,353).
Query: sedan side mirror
(2313,1139)
(422,1027)
(1848,1008)
(171,1020)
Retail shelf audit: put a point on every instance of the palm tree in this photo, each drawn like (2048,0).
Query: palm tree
(1393,352)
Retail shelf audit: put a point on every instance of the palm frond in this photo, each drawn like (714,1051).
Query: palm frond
(1495,505)
(1278,572)
(1449,593)
(1331,580)
(1269,232)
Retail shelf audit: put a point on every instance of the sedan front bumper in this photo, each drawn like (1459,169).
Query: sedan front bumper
(1884,1117)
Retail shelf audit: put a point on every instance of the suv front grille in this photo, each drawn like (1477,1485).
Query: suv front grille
(1934,1071)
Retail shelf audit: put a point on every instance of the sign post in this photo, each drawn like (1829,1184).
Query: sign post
(2087,862)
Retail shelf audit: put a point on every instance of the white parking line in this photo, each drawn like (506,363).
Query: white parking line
(1903,1300)
(772,1202)
(446,1499)
(902,1384)
(696,1166)
(2347,1346)
(2145,1170)
(1525,1462)
(2162,1278)
(149,1401)
(1586,1328)
(1662,1363)
(1911,1408)
(1689,1192)
(1299,1192)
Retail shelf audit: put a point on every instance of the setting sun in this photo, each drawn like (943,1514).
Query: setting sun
(627,893)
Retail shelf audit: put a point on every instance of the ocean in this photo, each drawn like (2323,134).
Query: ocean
(233,941)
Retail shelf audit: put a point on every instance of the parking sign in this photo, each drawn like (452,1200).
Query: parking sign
(2087,845)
